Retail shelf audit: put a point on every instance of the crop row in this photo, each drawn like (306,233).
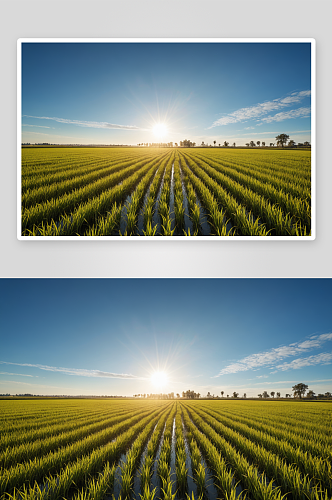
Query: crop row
(312,442)
(38,448)
(98,192)
(252,462)
(85,204)
(74,179)
(35,469)
(151,449)
(236,199)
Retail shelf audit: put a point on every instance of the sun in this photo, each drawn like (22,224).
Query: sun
(160,130)
(159,379)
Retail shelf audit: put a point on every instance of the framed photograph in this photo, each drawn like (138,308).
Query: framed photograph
(166,138)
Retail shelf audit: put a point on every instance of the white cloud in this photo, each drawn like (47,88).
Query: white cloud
(285,115)
(275,355)
(82,123)
(81,372)
(18,374)
(38,126)
(324,358)
(260,109)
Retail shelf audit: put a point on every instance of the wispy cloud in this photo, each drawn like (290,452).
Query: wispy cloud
(260,109)
(80,372)
(273,356)
(18,374)
(82,123)
(30,385)
(324,358)
(285,115)
(38,126)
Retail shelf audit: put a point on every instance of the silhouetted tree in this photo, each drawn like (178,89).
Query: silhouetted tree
(252,144)
(299,389)
(282,139)
(226,144)
(258,143)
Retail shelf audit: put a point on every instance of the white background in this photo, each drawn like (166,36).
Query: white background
(178,19)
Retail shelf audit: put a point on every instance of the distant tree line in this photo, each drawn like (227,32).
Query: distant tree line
(282,140)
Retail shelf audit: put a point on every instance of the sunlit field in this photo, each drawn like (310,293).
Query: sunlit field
(165,192)
(144,449)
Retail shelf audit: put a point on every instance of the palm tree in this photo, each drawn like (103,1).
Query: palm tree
(214,142)
(278,394)
(258,143)
(260,395)
(263,143)
(252,144)
(226,144)
(272,394)
(234,144)
(222,394)
(235,394)
(219,145)
(247,144)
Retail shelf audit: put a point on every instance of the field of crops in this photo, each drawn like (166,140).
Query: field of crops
(149,449)
(165,192)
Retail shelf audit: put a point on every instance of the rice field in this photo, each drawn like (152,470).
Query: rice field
(165,192)
(111,449)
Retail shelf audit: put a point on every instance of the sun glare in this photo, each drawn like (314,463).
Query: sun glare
(159,379)
(159,130)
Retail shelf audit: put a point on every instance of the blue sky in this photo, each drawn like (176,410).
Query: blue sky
(108,336)
(114,93)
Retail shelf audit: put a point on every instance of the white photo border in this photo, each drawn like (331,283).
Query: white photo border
(312,41)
